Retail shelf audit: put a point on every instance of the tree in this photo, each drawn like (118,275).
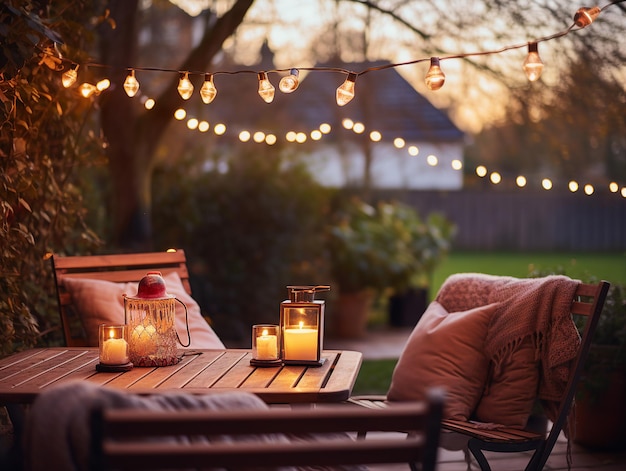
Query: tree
(133,134)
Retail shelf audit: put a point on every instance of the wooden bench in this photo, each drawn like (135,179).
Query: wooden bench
(125,438)
(119,268)
(588,302)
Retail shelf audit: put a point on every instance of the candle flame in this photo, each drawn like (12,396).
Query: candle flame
(111,333)
(264,332)
(301,324)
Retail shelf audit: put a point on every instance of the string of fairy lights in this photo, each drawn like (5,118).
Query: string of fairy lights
(434,80)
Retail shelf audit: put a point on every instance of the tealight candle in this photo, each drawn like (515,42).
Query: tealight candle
(113,345)
(264,343)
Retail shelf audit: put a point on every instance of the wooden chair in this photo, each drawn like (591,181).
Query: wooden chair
(129,438)
(116,268)
(588,303)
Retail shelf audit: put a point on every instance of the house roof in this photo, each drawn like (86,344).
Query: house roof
(384,101)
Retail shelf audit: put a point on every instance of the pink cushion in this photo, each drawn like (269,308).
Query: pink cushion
(509,397)
(445,350)
(101,302)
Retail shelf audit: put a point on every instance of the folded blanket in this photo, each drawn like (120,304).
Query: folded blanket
(536,308)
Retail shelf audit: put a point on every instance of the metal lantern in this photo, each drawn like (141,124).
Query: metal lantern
(150,317)
(302,326)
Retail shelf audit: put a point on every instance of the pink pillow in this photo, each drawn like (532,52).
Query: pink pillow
(509,397)
(445,350)
(101,302)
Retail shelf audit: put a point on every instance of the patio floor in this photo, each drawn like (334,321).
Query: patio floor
(388,343)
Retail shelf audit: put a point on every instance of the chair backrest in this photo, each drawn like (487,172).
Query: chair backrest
(134,439)
(118,268)
(588,303)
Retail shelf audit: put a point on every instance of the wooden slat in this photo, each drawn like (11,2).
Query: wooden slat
(121,437)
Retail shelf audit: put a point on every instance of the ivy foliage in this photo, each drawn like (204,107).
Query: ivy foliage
(45,143)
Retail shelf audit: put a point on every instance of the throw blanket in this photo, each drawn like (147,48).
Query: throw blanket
(57,434)
(536,308)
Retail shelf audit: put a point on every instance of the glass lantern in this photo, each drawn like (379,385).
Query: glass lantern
(113,348)
(302,326)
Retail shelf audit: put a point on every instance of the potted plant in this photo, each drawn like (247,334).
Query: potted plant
(373,248)
(431,240)
(600,409)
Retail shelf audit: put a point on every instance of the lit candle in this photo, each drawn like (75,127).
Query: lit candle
(301,343)
(266,346)
(114,352)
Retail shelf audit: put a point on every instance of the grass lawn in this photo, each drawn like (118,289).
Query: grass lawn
(375,375)
(610,266)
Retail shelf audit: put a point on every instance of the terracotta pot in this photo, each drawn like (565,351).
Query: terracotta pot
(601,421)
(350,314)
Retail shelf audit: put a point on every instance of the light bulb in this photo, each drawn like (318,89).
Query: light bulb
(131,84)
(532,64)
(345,92)
(103,84)
(266,89)
(87,89)
(69,77)
(585,16)
(208,90)
(185,87)
(435,77)
(290,82)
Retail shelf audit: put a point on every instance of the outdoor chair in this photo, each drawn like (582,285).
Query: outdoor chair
(275,437)
(90,292)
(470,291)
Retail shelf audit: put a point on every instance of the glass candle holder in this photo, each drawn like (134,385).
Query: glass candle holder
(265,345)
(113,348)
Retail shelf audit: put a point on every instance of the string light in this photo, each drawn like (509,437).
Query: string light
(345,92)
(289,83)
(69,77)
(266,89)
(435,77)
(185,87)
(131,84)
(533,65)
(208,90)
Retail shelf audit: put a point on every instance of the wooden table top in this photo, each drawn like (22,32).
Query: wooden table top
(25,374)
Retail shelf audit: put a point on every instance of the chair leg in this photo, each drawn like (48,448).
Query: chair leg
(475,448)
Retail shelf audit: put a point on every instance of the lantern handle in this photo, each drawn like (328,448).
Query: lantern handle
(186,324)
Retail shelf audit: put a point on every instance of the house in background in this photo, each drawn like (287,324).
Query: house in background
(388,137)
(393,133)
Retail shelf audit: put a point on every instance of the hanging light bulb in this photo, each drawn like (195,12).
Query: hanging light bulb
(87,89)
(208,90)
(69,77)
(131,84)
(103,84)
(435,78)
(532,64)
(185,87)
(345,92)
(585,16)
(266,89)
(290,82)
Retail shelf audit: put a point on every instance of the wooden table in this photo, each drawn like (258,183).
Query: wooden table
(25,374)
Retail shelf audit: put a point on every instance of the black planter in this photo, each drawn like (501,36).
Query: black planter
(406,309)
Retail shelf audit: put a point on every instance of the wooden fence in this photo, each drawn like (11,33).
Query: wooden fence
(528,220)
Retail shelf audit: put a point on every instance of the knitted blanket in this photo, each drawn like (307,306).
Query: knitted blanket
(536,308)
